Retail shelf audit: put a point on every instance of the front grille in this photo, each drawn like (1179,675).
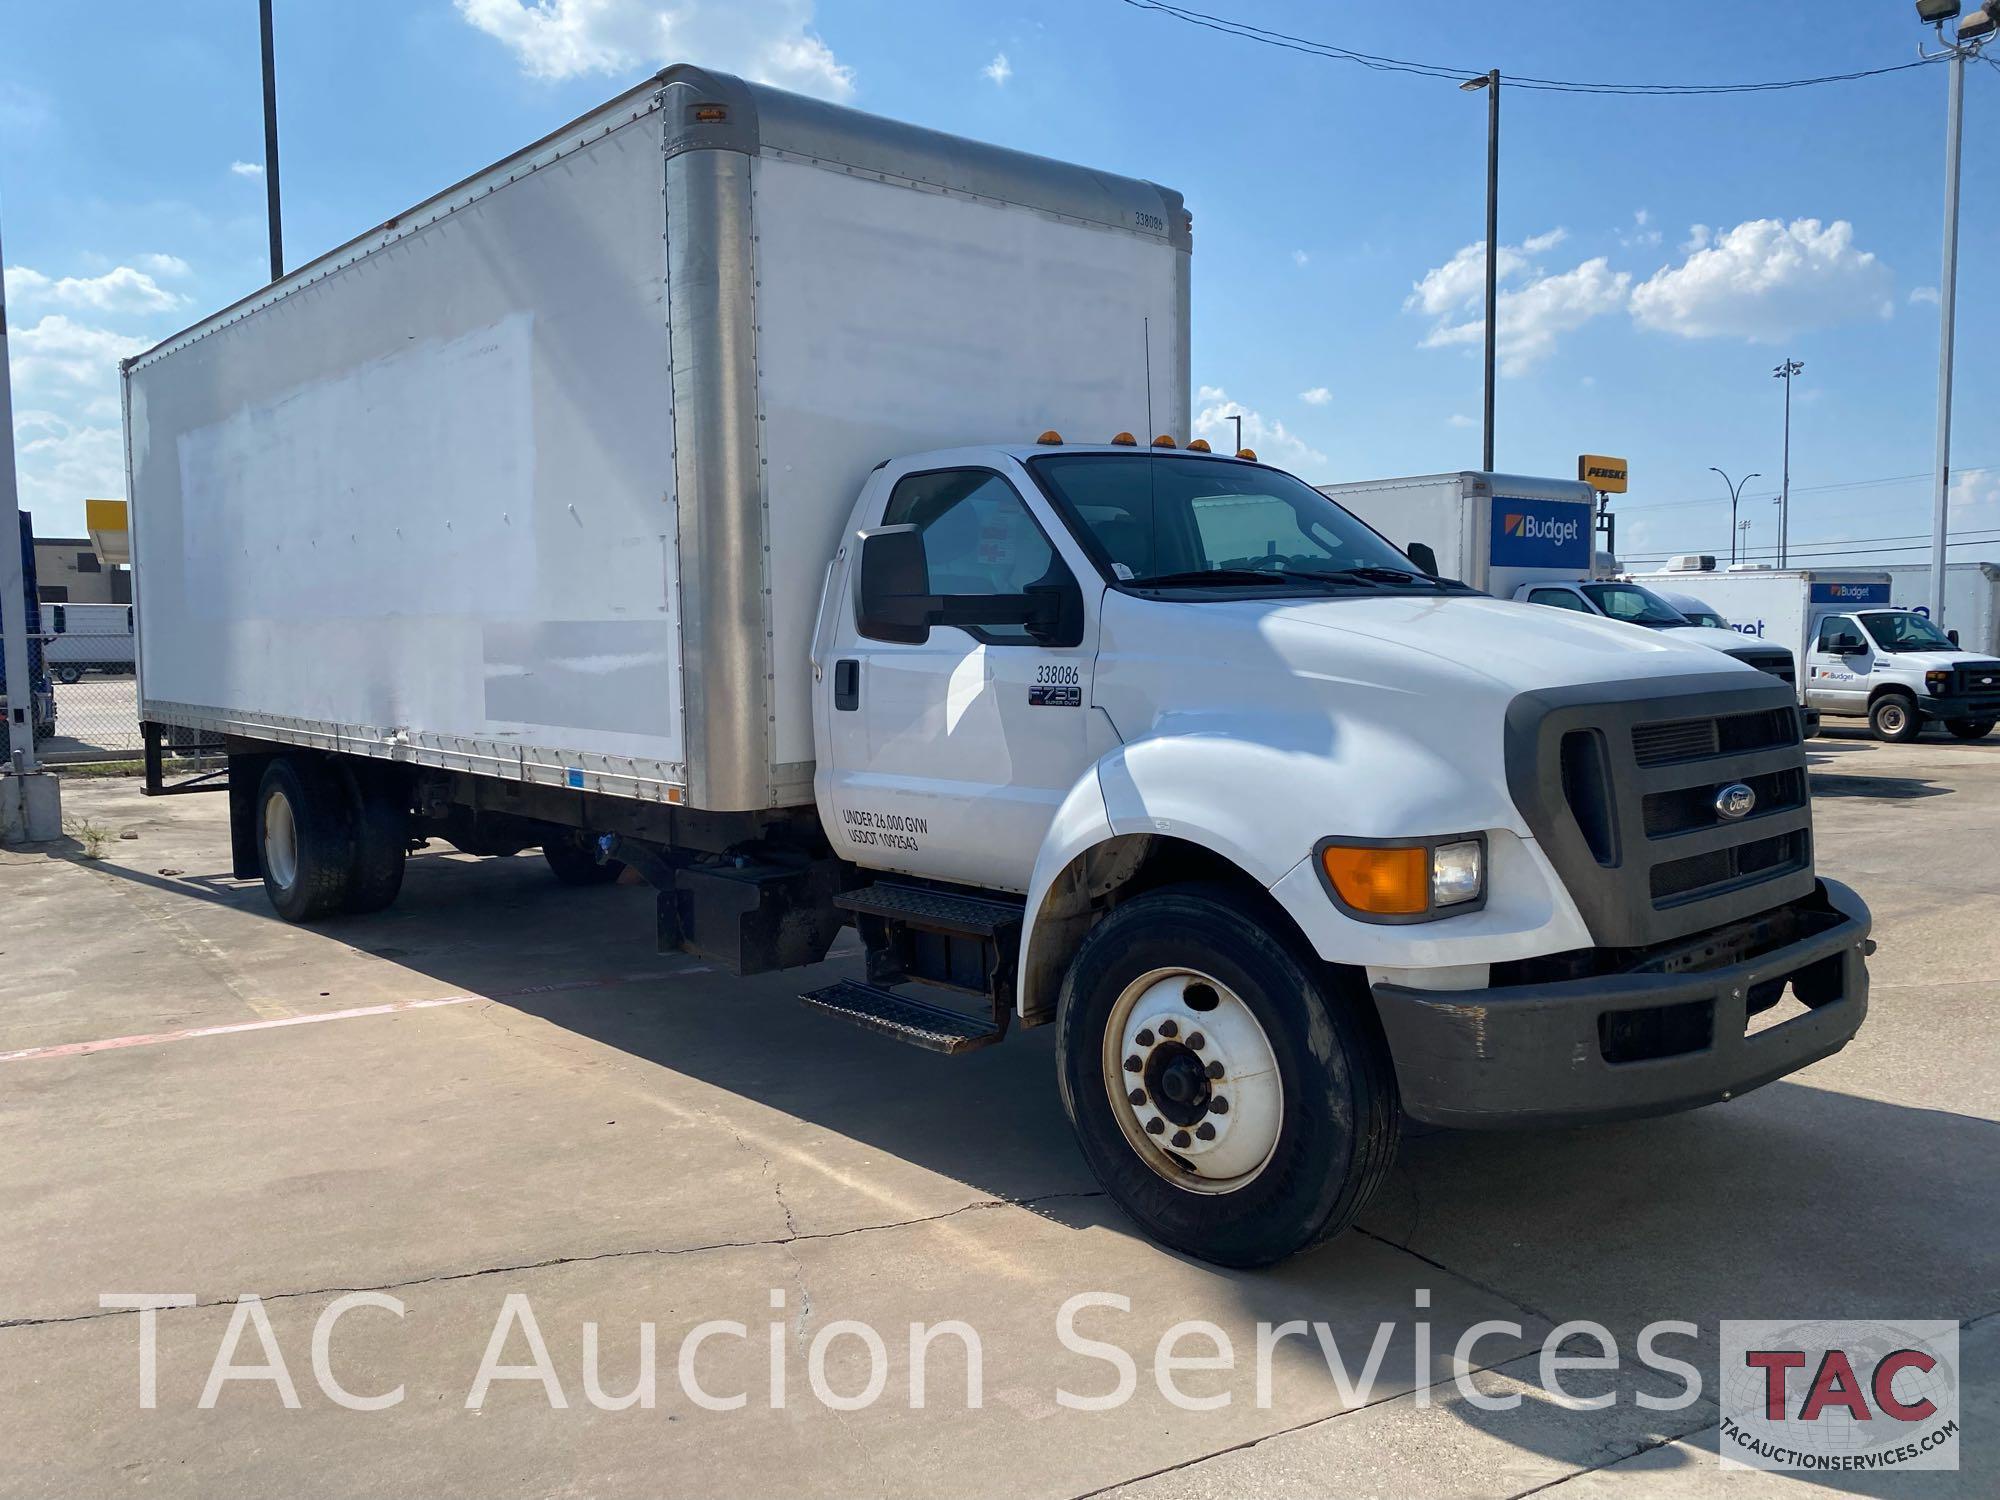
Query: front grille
(1980,682)
(1623,793)
(1778,663)
(1683,740)
(1683,809)
(1701,874)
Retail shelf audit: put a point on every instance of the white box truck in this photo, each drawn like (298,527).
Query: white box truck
(1858,657)
(87,638)
(1519,537)
(669,496)
(1971,599)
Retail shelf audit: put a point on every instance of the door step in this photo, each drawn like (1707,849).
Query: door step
(936,1028)
(933,910)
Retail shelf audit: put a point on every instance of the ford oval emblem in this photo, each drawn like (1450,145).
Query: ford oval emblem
(1734,801)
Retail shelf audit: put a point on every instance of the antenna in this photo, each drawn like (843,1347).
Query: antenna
(1146,328)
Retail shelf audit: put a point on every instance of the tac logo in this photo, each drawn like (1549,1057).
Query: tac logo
(1840,1395)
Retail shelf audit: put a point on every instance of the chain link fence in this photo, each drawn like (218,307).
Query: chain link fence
(88,658)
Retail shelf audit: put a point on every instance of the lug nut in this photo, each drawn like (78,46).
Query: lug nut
(1155,1125)
(1205,1131)
(1137,1096)
(1133,1064)
(1182,1139)
(1169,1028)
(1144,1039)
(1219,1105)
(1215,1070)
(1196,1040)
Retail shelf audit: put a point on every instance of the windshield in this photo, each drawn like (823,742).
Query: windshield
(1634,605)
(1186,522)
(1902,631)
(1706,617)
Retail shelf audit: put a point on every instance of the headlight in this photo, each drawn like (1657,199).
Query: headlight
(1937,683)
(1415,881)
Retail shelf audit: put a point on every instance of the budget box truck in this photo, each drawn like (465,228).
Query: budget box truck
(721,489)
(1859,657)
(1971,599)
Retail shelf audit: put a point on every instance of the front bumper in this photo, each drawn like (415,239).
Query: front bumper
(1621,1045)
(1956,708)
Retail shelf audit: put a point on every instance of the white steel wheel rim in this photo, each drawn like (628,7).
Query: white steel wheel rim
(1216,1137)
(1892,717)
(281,840)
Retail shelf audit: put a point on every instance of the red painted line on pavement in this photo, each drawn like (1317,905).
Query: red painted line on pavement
(392,1007)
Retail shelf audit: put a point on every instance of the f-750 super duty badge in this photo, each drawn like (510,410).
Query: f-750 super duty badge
(1056,686)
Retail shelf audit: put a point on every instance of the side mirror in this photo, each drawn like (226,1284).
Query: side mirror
(892,586)
(1421,554)
(1952,636)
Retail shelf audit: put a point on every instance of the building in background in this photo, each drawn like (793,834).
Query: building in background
(70,572)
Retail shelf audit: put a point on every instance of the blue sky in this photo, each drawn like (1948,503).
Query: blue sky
(1338,211)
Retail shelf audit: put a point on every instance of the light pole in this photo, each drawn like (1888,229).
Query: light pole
(271,141)
(1742,529)
(1491,83)
(13,584)
(1972,35)
(1238,420)
(1785,372)
(1735,490)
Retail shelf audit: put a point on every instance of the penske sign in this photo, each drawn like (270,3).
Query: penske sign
(1606,475)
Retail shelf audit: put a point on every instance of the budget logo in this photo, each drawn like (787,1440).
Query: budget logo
(1540,534)
(1841,1396)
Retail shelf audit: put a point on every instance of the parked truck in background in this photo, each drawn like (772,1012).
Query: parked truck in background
(640,499)
(1529,539)
(1858,657)
(87,638)
(1971,600)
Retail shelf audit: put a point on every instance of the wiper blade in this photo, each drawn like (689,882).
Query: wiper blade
(1372,574)
(1221,576)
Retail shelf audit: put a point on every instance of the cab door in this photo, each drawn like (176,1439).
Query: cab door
(1837,666)
(947,758)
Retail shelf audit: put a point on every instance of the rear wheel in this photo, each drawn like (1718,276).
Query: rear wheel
(573,857)
(381,821)
(69,674)
(1969,729)
(1223,1090)
(1893,717)
(305,838)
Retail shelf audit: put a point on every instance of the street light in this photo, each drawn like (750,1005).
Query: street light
(1735,491)
(1973,34)
(271,142)
(1491,83)
(1785,372)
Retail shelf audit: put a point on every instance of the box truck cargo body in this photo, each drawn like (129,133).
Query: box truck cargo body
(1971,599)
(1496,532)
(542,477)
(792,507)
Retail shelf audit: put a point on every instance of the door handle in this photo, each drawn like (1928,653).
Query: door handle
(847,684)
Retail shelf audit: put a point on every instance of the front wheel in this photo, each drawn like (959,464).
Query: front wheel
(69,676)
(1969,729)
(1225,1092)
(1894,717)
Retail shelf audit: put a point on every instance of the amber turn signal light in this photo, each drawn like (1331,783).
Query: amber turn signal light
(1381,882)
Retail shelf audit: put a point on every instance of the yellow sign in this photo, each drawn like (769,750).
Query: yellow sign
(109,533)
(1601,473)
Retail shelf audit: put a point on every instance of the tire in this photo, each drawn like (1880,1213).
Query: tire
(69,676)
(573,857)
(1969,729)
(380,817)
(1894,718)
(1332,1128)
(305,838)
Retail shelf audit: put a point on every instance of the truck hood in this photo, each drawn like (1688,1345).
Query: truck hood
(1716,639)
(1930,661)
(1518,646)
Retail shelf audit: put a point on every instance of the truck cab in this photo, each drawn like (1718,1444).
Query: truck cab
(1900,672)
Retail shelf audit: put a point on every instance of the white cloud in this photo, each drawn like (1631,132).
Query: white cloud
(1271,439)
(1300,258)
(1640,216)
(1924,294)
(1698,238)
(60,465)
(166,265)
(60,351)
(122,290)
(1534,312)
(1973,501)
(1319,395)
(999,70)
(767,40)
(1460,419)
(247,168)
(1765,281)
(1639,236)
